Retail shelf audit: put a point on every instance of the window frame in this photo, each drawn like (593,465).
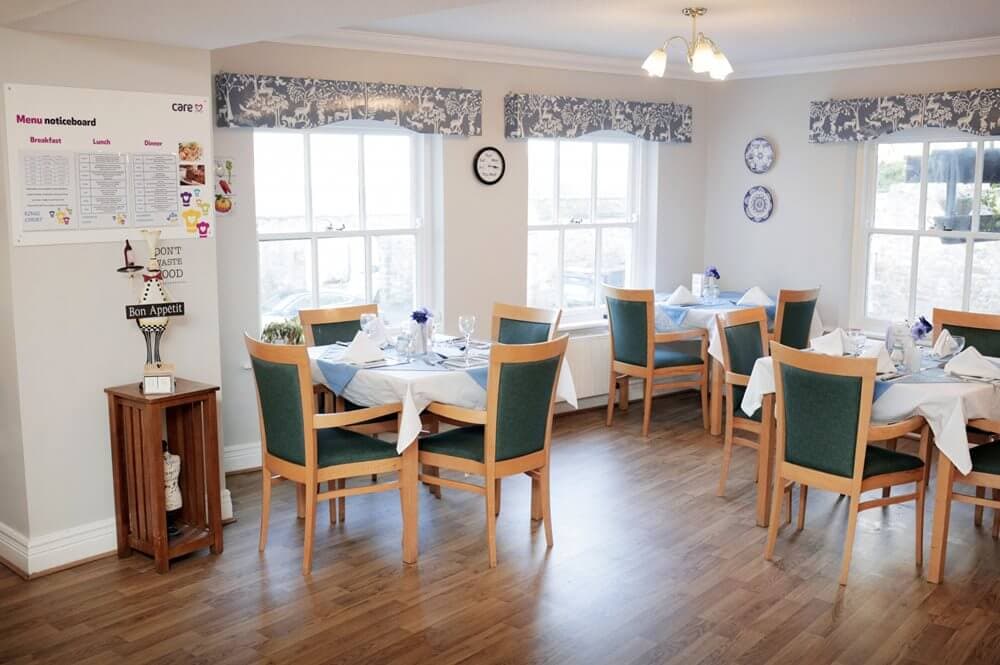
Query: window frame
(420,210)
(635,199)
(864,228)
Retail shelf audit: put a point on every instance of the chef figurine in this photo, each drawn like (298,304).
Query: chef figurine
(153,292)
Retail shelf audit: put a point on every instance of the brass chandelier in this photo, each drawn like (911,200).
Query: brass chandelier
(703,55)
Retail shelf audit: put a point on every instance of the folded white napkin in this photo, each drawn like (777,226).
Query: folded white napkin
(945,344)
(884,361)
(833,343)
(756,297)
(362,350)
(682,296)
(972,363)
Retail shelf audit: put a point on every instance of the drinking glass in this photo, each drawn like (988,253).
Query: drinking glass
(403,341)
(858,340)
(367,319)
(959,344)
(467,325)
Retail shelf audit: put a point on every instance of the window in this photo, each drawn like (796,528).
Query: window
(339,220)
(583,219)
(930,228)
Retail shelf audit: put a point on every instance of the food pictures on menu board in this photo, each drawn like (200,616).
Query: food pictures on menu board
(90,165)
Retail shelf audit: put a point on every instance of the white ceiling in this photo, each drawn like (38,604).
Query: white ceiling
(620,31)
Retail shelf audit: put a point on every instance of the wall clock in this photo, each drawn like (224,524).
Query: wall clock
(759,155)
(758,204)
(489,165)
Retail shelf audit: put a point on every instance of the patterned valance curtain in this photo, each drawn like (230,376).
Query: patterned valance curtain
(262,100)
(551,116)
(972,111)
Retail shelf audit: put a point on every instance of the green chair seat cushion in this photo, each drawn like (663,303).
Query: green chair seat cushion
(465,442)
(676,354)
(986,458)
(882,460)
(340,446)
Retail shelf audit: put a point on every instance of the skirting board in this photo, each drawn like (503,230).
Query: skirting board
(55,550)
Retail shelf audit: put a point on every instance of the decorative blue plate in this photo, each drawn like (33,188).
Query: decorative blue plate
(758,204)
(759,155)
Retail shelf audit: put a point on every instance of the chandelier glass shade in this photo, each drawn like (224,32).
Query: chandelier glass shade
(703,55)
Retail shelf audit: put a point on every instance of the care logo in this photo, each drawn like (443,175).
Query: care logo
(187,107)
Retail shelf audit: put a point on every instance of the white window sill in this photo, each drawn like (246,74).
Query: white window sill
(576,326)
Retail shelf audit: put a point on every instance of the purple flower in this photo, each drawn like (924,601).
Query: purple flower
(421,315)
(712,271)
(920,329)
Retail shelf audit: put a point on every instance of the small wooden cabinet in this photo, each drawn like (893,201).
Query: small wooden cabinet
(138,423)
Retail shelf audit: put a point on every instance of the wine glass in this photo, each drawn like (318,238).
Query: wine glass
(959,344)
(367,320)
(858,341)
(467,325)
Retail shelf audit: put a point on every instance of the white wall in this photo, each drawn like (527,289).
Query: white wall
(807,242)
(485,234)
(71,337)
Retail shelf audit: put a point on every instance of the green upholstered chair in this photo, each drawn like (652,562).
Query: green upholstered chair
(743,335)
(793,317)
(824,433)
(638,350)
(308,448)
(512,436)
(513,324)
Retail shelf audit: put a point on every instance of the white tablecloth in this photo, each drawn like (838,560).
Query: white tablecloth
(417,388)
(946,406)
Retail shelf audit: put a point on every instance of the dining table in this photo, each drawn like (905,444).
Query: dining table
(946,401)
(703,314)
(416,381)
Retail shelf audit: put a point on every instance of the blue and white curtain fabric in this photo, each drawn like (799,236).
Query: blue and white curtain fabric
(865,118)
(263,100)
(552,116)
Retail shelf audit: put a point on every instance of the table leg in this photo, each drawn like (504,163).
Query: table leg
(120,481)
(715,398)
(765,460)
(942,517)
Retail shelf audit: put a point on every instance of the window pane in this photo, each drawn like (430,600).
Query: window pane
(334,181)
(578,267)
(616,257)
(394,276)
(543,268)
(897,195)
(341,267)
(541,174)
(279,181)
(989,207)
(888,286)
(612,182)
(387,182)
(940,274)
(984,294)
(285,279)
(574,181)
(951,177)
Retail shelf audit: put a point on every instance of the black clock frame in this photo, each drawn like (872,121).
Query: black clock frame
(475,165)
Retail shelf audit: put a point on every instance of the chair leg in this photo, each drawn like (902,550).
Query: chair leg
(891,445)
(788,505)
(704,400)
(546,484)
(623,393)
(265,507)
(497,483)
(300,500)
(332,486)
(852,526)
(777,496)
(727,455)
(433,471)
(612,386)
(803,497)
(310,527)
(647,404)
(919,522)
(491,521)
(996,515)
(536,499)
(981,493)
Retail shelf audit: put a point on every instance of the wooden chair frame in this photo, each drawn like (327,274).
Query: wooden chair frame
(856,485)
(787,296)
(535,465)
(521,313)
(620,372)
(309,476)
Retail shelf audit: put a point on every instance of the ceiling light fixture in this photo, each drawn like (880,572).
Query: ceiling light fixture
(703,55)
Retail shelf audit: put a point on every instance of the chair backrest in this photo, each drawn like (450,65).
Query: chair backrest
(794,317)
(631,325)
(743,334)
(979,330)
(284,401)
(520,397)
(823,409)
(333,324)
(514,324)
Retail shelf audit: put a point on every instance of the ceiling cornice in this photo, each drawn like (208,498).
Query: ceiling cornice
(513,55)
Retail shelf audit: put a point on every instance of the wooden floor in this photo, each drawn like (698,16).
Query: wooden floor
(648,567)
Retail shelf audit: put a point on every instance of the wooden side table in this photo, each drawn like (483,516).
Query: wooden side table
(137,427)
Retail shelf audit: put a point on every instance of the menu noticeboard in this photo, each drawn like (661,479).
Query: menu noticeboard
(96,165)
